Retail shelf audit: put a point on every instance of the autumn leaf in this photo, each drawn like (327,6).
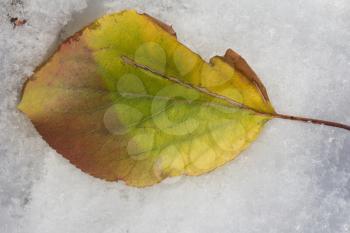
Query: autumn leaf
(124,100)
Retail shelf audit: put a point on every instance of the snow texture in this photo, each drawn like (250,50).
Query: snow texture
(294,178)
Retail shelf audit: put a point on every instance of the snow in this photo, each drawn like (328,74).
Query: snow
(294,178)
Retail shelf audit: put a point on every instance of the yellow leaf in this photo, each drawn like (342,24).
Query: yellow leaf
(124,100)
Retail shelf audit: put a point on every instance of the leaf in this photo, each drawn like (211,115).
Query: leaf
(124,100)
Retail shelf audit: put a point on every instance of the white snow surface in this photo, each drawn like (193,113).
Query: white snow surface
(294,178)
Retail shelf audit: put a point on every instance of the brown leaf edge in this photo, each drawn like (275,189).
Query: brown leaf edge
(164,26)
(240,64)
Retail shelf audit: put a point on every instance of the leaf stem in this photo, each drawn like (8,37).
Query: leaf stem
(310,120)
